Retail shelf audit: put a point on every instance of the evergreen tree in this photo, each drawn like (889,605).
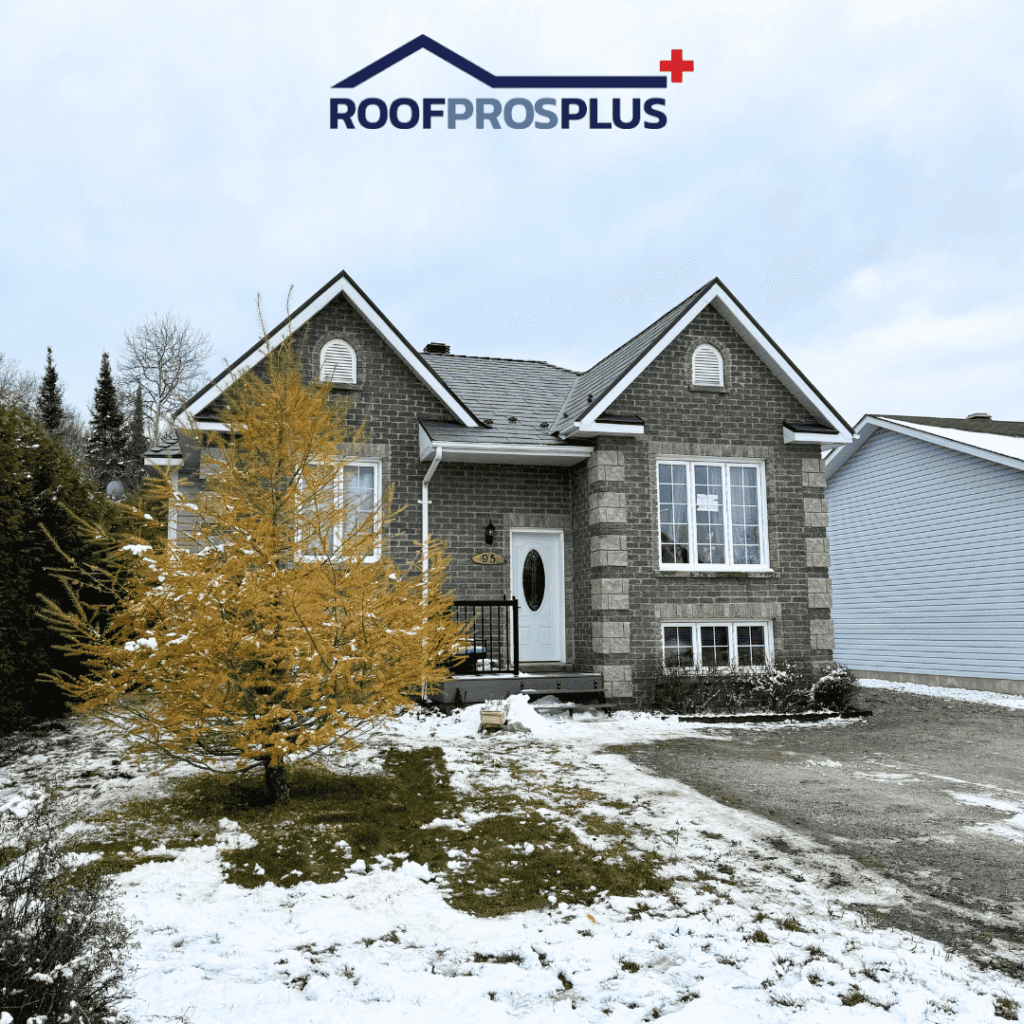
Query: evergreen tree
(50,400)
(279,626)
(137,445)
(106,449)
(44,496)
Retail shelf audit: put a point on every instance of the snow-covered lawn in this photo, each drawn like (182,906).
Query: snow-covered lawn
(757,926)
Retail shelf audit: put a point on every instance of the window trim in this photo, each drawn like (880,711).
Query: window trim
(339,498)
(352,353)
(733,625)
(762,510)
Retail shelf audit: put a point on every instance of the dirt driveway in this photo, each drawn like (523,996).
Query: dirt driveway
(929,791)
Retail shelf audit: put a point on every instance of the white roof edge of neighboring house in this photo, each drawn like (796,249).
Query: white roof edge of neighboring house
(782,366)
(997,448)
(340,285)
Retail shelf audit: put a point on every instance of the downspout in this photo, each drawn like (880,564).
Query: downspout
(425,502)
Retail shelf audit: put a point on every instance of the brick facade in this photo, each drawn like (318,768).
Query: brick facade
(606,507)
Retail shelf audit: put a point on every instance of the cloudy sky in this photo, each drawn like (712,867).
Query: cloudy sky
(852,171)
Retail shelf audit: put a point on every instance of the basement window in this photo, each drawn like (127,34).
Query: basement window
(716,644)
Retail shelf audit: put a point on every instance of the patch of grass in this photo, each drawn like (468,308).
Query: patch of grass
(853,997)
(759,936)
(629,965)
(497,958)
(791,924)
(1006,1008)
(331,820)
(711,835)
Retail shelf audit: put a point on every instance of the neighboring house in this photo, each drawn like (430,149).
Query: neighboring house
(664,506)
(927,537)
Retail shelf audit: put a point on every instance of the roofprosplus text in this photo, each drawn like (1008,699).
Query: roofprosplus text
(518,112)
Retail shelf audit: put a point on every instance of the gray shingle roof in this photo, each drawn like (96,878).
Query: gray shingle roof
(168,448)
(1006,428)
(594,383)
(517,396)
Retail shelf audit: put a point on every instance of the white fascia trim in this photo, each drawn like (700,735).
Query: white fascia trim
(398,344)
(577,429)
(165,462)
(790,436)
(456,451)
(185,421)
(869,424)
(779,362)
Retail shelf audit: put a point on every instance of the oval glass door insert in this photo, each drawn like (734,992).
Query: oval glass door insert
(533,580)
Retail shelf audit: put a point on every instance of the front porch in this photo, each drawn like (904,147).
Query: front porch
(489,667)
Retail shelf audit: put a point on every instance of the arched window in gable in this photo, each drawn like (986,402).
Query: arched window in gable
(708,369)
(338,362)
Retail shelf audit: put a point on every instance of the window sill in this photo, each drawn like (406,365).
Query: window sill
(726,570)
(711,388)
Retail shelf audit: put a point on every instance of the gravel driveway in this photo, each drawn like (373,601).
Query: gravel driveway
(929,791)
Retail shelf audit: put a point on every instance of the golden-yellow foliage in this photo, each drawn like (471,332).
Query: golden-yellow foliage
(234,646)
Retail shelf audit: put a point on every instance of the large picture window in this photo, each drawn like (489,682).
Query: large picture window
(356,491)
(711,515)
(716,644)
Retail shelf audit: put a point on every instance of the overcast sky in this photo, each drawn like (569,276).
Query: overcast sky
(851,171)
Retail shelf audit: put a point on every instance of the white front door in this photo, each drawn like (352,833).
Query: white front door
(538,581)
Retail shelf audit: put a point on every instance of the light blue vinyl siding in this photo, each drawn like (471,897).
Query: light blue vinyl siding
(927,570)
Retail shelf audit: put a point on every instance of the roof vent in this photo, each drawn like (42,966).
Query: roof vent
(437,348)
(980,416)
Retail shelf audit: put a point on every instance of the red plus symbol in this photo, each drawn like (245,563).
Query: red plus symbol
(677,65)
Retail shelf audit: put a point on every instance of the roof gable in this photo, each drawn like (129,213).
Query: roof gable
(598,388)
(1002,442)
(342,284)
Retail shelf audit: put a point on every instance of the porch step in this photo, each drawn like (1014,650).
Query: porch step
(461,690)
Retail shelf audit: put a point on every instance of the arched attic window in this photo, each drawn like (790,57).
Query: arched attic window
(708,371)
(338,362)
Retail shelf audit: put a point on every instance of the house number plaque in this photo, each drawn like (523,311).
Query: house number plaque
(488,558)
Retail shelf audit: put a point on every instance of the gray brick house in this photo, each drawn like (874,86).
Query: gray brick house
(664,506)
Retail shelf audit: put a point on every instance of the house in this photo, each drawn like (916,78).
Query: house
(664,506)
(927,539)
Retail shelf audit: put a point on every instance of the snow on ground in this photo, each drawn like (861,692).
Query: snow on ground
(1004,700)
(382,945)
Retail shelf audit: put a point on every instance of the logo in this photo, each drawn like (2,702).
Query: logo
(518,112)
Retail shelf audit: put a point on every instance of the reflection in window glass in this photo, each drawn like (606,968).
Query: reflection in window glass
(714,645)
(678,646)
(750,646)
(358,496)
(746,538)
(672,510)
(709,495)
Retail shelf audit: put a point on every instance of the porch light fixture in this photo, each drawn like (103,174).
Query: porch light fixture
(489,532)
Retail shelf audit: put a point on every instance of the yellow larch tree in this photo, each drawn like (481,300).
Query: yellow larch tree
(277,627)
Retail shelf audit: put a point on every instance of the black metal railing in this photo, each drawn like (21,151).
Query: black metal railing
(492,646)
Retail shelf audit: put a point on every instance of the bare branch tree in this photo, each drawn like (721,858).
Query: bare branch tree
(18,387)
(165,356)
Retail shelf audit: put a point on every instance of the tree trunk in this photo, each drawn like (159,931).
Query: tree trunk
(274,780)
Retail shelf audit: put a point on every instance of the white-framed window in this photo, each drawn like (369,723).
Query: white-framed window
(712,515)
(716,644)
(338,362)
(708,368)
(356,490)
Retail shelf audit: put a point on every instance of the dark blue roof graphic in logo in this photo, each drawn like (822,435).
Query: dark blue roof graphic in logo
(504,81)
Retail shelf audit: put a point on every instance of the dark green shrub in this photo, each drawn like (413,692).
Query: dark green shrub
(835,690)
(63,945)
(44,499)
(727,690)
